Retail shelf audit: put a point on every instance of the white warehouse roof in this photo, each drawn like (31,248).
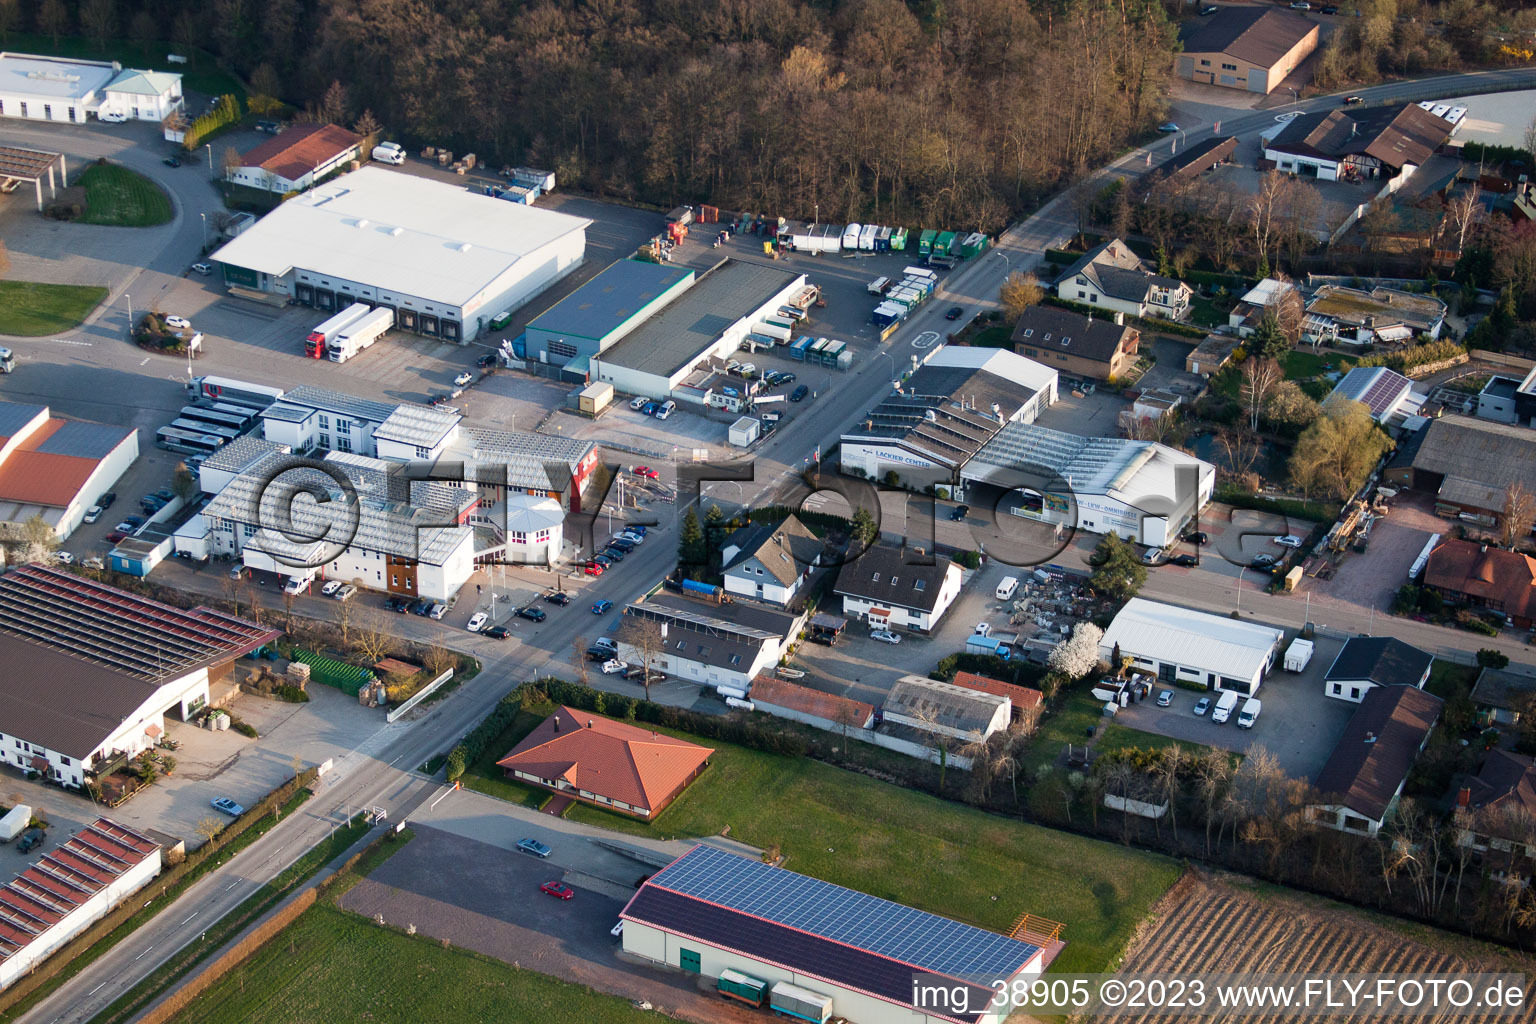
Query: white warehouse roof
(1183,636)
(998,362)
(60,78)
(399,233)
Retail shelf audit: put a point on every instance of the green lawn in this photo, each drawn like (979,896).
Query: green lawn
(993,337)
(1205,313)
(1302,362)
(118,197)
(485,776)
(1448,679)
(904,846)
(30,309)
(339,968)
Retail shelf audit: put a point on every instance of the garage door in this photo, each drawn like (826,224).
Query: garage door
(1258,80)
(1230,81)
(1186,67)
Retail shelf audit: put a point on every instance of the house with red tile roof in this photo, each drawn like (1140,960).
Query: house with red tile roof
(297,157)
(597,760)
(1483,576)
(57,468)
(1026,700)
(70,888)
(798,703)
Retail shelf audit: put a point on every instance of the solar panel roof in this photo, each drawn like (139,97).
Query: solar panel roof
(857,919)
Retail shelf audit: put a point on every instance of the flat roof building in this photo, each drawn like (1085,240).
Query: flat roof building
(445,259)
(41,88)
(1353,316)
(709,319)
(1184,645)
(1141,490)
(603,311)
(856,956)
(1509,400)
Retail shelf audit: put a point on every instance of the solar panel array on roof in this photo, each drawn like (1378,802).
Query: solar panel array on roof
(857,919)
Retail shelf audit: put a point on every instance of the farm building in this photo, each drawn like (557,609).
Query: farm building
(57,468)
(444,259)
(603,311)
(1468,464)
(1365,143)
(1249,48)
(856,956)
(81,694)
(960,712)
(1369,765)
(611,764)
(70,889)
(296,158)
(935,422)
(884,589)
(708,320)
(1188,646)
(1365,662)
(1141,490)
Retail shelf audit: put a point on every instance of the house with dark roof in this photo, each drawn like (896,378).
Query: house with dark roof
(1482,576)
(721,643)
(1499,695)
(57,468)
(770,562)
(83,692)
(893,588)
(1498,808)
(1249,48)
(1369,661)
(1358,144)
(596,760)
(1468,464)
(68,889)
(833,951)
(1364,775)
(1074,344)
(297,157)
(1113,278)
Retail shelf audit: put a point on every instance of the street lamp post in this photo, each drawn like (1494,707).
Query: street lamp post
(204,216)
(129,299)
(209,147)
(1295,97)
(1240,572)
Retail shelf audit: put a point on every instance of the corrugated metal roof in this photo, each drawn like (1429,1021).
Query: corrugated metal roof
(1183,636)
(603,304)
(959,708)
(421,425)
(308,396)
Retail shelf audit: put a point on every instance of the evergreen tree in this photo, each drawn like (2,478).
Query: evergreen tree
(690,543)
(1117,572)
(1269,339)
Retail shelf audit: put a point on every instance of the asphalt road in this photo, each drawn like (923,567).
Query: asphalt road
(379,773)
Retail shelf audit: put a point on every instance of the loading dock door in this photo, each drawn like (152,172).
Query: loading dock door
(1258,80)
(1186,67)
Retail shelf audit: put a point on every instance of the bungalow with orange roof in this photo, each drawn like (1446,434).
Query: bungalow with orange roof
(611,764)
(297,157)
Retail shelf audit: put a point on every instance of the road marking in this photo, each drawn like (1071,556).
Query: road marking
(194,914)
(230,886)
(146,951)
(925,340)
(82,344)
(98,988)
(145,360)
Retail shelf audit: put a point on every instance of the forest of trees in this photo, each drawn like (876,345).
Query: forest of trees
(943,112)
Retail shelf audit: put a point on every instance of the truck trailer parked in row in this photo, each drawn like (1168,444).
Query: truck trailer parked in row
(360,334)
(315,346)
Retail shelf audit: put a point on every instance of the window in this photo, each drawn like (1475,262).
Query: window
(1029,332)
(563,349)
(343,426)
(1229,67)
(248,530)
(344,444)
(1354,693)
(1205,63)
(421,452)
(1031,352)
(325,422)
(919,584)
(1066,341)
(875,578)
(64,761)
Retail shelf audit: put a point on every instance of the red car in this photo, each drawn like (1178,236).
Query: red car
(559,890)
(115,536)
(647,472)
(594,569)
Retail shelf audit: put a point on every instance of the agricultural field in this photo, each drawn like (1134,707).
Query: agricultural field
(1231,925)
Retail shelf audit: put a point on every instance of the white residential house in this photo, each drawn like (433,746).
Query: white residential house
(1369,661)
(1364,776)
(887,591)
(1113,277)
(770,562)
(141,96)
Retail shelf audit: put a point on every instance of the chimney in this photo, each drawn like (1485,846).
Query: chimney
(1464,797)
(589,723)
(557,723)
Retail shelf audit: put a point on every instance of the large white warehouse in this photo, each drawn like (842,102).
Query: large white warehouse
(1184,645)
(813,950)
(445,259)
(1141,490)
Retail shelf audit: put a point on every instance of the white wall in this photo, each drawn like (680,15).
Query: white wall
(440,582)
(907,618)
(739,581)
(143,108)
(102,478)
(40,109)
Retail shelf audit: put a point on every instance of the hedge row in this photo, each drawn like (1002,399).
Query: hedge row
(226,111)
(1294,508)
(778,513)
(1408,358)
(132,913)
(1062,257)
(1213,277)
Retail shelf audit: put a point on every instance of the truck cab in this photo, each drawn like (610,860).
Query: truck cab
(7,360)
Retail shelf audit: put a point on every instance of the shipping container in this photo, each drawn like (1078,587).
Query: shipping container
(974,245)
(15,822)
(867,238)
(879,285)
(735,985)
(921,272)
(797,350)
(744,431)
(943,244)
(899,240)
(925,242)
(780,321)
(793,1001)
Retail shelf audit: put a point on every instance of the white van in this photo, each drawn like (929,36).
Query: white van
(1250,713)
(1225,705)
(389,153)
(1005,589)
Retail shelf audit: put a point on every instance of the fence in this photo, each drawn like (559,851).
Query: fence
(349,679)
(901,746)
(421,695)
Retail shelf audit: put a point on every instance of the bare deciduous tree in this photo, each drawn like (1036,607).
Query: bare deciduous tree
(1460,214)
(1518,515)
(1266,207)
(372,641)
(208,828)
(643,637)
(1018,292)
(1259,378)
(1240,447)
(579,659)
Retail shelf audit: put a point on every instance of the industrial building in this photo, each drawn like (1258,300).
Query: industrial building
(57,468)
(40,88)
(942,414)
(309,419)
(707,320)
(602,312)
(959,712)
(81,693)
(1181,645)
(69,889)
(1365,774)
(1249,48)
(625,768)
(845,953)
(1141,490)
(444,259)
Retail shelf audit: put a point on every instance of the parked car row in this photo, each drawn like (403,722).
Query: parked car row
(650,407)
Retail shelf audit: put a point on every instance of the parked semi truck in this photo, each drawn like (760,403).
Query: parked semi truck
(360,334)
(315,345)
